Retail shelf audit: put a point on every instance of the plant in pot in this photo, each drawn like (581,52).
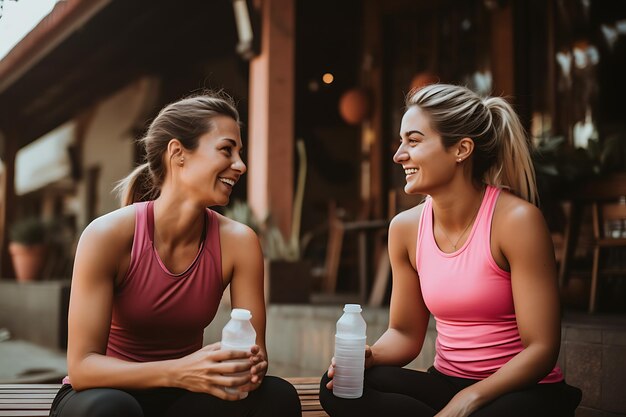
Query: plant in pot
(287,274)
(28,248)
(562,168)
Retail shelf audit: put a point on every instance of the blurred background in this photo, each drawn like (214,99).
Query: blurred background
(320,86)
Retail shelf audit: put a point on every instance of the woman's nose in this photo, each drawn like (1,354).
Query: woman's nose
(239,165)
(400,155)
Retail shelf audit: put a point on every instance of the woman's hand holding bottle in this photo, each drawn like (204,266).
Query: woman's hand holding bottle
(210,369)
(369,361)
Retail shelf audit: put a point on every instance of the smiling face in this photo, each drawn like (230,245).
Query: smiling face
(426,163)
(211,170)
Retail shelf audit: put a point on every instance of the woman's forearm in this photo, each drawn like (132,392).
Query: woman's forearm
(97,370)
(527,368)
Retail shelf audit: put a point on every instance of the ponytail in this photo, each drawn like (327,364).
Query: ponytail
(137,186)
(501,154)
(513,167)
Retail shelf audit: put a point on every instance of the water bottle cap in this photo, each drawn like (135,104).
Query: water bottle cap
(352,308)
(240,314)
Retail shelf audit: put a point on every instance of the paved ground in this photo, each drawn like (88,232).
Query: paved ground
(24,362)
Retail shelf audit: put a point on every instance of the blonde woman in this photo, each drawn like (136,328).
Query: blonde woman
(476,255)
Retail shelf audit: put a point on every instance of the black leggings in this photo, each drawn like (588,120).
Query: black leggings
(395,391)
(275,397)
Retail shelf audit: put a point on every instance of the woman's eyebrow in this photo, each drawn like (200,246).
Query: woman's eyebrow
(410,132)
(233,142)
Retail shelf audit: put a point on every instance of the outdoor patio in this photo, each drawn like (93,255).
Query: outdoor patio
(300,342)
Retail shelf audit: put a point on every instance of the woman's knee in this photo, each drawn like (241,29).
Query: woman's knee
(278,393)
(101,402)
(325,394)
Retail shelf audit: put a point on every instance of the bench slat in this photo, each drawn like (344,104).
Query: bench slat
(29,391)
(25,406)
(8,396)
(30,386)
(316,412)
(25,401)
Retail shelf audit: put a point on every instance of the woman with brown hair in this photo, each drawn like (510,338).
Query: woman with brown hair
(148,278)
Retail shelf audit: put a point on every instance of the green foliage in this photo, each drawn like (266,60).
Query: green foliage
(29,231)
(561,169)
(275,245)
(554,157)
(240,212)
(558,162)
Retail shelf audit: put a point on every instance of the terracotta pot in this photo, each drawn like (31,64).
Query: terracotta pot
(28,260)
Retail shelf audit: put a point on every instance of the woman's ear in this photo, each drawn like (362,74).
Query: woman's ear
(464,149)
(175,149)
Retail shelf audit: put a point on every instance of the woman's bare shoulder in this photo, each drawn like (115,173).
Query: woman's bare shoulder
(408,218)
(232,230)
(511,208)
(404,228)
(116,227)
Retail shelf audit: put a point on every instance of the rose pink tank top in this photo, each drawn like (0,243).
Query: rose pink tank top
(158,315)
(471,298)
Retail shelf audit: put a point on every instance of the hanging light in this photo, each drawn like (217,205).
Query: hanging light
(354,106)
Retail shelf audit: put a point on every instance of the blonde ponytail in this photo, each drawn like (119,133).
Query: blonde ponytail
(514,167)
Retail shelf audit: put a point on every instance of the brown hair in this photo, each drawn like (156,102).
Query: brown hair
(501,154)
(185,120)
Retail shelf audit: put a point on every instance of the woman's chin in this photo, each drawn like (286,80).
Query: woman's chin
(222,201)
(411,189)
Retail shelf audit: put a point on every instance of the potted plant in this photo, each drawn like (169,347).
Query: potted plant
(287,274)
(28,248)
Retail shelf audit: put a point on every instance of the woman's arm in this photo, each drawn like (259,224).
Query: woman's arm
(243,261)
(103,247)
(408,315)
(525,242)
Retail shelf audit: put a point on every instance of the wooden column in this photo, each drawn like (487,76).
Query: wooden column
(372,141)
(271,109)
(502,53)
(7,199)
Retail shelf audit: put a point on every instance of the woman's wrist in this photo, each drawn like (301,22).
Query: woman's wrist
(371,361)
(169,374)
(473,397)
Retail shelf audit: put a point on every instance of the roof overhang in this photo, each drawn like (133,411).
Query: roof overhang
(65,18)
(85,50)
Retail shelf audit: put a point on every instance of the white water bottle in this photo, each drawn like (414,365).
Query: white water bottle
(238,334)
(350,353)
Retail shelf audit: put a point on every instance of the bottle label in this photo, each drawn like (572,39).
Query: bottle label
(230,346)
(352,339)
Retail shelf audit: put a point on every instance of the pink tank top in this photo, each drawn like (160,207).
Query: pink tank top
(158,315)
(471,298)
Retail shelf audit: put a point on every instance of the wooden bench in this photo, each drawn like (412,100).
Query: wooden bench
(34,400)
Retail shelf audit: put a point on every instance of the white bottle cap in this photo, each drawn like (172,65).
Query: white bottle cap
(240,314)
(352,308)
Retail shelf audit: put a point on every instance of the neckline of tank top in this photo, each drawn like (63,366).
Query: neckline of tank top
(489,190)
(164,268)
